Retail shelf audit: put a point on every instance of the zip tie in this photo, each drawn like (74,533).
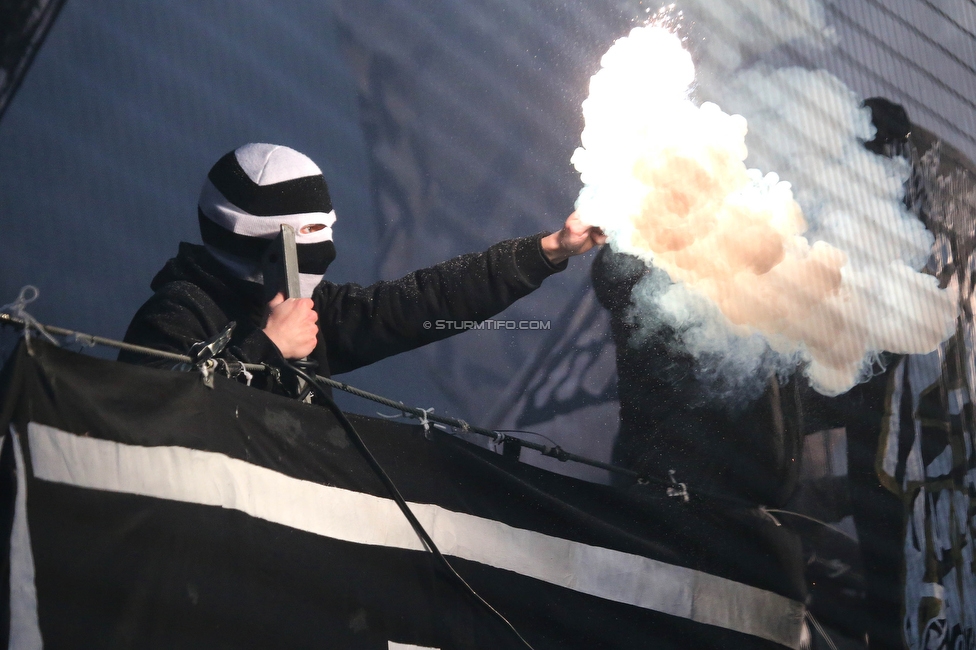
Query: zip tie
(424,421)
(28,294)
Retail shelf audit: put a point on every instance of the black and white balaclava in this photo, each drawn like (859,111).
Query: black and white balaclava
(250,193)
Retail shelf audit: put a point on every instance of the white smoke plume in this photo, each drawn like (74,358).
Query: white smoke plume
(752,284)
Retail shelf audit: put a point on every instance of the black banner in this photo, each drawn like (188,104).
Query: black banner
(147,510)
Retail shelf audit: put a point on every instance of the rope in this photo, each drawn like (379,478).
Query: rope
(427,417)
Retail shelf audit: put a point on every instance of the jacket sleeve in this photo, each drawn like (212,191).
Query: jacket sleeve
(361,325)
(181,314)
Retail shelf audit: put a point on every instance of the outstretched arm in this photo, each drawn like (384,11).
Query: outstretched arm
(360,325)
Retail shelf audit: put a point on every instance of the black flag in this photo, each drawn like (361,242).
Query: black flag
(147,510)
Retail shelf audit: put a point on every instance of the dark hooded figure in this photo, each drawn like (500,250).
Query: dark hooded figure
(670,419)
(247,196)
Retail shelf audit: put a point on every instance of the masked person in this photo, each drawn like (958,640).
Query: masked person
(247,196)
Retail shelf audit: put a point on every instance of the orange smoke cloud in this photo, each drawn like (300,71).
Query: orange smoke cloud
(667,181)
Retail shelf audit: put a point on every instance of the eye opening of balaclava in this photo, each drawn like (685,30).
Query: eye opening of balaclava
(250,193)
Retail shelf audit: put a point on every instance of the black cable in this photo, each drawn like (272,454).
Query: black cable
(674,489)
(314,380)
(398,498)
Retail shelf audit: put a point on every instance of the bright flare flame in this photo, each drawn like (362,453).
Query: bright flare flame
(667,181)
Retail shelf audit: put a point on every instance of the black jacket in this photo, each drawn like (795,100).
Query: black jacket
(669,420)
(195,297)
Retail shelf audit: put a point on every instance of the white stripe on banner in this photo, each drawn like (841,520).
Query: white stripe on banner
(25,631)
(208,478)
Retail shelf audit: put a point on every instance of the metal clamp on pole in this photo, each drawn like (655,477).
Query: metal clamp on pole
(206,350)
(203,353)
